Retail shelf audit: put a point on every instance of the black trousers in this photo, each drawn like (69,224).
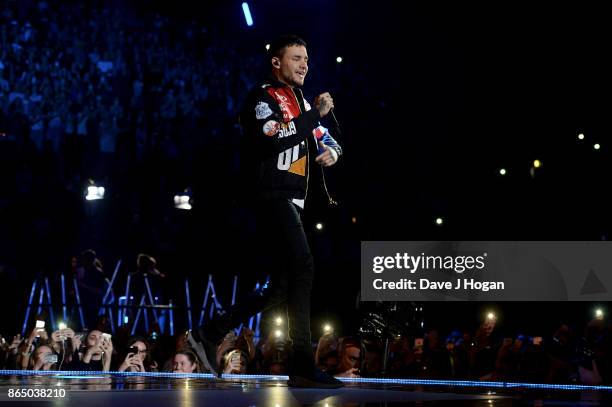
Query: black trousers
(284,250)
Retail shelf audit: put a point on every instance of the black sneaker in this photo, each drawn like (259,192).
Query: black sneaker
(318,380)
(206,351)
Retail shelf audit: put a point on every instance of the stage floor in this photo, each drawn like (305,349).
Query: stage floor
(111,390)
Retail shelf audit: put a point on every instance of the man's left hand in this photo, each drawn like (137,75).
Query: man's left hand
(328,157)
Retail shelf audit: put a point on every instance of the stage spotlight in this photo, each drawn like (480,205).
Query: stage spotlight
(278,333)
(94,192)
(319,226)
(339,60)
(327,328)
(502,171)
(183,200)
(597,146)
(439,221)
(247,14)
(599,314)
(278,321)
(537,163)
(267,47)
(581,136)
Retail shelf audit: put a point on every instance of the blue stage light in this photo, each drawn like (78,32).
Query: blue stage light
(254,377)
(247,14)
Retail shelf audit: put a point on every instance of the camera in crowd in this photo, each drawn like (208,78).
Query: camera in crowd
(391,319)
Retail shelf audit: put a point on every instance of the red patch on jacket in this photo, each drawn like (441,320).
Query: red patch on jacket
(287,102)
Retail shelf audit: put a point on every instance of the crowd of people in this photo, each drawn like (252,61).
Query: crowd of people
(566,356)
(140,104)
(83,82)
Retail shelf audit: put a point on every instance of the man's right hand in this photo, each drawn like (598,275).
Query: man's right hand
(324,103)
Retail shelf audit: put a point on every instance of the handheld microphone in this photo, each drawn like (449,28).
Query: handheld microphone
(335,121)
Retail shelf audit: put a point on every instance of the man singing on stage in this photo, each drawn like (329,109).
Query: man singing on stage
(286,148)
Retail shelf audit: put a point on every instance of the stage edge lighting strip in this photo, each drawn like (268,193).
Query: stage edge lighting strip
(422,382)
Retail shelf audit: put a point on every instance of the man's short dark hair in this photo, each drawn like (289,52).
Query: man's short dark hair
(277,47)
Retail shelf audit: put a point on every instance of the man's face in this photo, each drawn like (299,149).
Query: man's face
(292,67)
